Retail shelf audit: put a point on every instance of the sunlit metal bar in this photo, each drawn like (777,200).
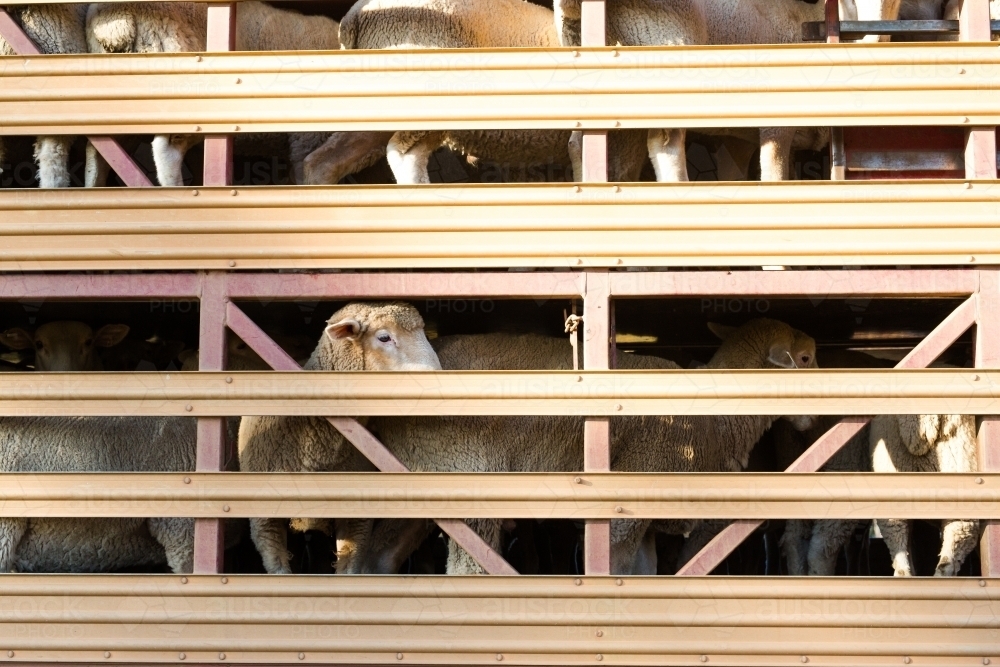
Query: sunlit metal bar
(707,86)
(487,495)
(529,621)
(987,346)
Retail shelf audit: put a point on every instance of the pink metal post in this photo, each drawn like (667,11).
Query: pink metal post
(121,162)
(15,36)
(219,148)
(208,533)
(980,142)
(597,432)
(988,356)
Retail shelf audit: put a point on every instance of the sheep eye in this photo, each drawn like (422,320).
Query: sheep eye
(39,345)
(384,338)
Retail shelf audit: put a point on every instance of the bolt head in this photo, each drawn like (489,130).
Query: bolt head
(222,656)
(599,657)
(704,658)
(232,263)
(302,656)
(182,656)
(979,480)
(225,508)
(229,380)
(232,192)
(986,661)
(577,582)
(578,480)
(188,408)
(982,583)
(600,633)
(499,657)
(225,580)
(399,656)
(187,480)
(618,510)
(10,654)
(907,660)
(194,193)
(618,582)
(805,659)
(184,580)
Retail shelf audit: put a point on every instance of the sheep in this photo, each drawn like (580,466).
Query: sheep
(639,444)
(360,336)
(392,24)
(181,27)
(54,29)
(926,443)
(81,444)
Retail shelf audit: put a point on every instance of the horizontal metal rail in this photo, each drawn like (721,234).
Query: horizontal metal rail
(583,393)
(476,620)
(557,225)
(815,31)
(588,88)
(490,495)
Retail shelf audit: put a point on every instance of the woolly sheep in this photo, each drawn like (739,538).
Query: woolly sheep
(161,27)
(360,336)
(639,444)
(82,444)
(926,443)
(53,29)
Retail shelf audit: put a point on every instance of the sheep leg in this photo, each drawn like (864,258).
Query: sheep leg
(829,536)
(776,153)
(353,538)
(576,155)
(409,153)
(393,541)
(177,537)
(52,157)
(342,154)
(97,170)
(271,540)
(644,563)
(896,533)
(667,152)
(626,540)
(168,156)
(11,532)
(459,560)
(958,541)
(795,545)
(877,10)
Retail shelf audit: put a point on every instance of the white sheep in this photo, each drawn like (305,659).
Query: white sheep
(172,27)
(530,444)
(86,444)
(54,29)
(360,336)
(926,443)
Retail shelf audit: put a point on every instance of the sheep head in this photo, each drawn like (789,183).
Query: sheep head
(65,346)
(375,337)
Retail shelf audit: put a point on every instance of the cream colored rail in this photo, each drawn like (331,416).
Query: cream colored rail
(690,224)
(508,620)
(583,393)
(588,88)
(581,495)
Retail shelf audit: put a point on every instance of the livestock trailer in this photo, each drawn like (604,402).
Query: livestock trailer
(218,255)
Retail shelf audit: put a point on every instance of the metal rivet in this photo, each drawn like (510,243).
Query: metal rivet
(614,54)
(579,261)
(907,660)
(986,661)
(576,54)
(225,580)
(302,656)
(232,263)
(600,633)
(968,186)
(621,261)
(189,408)
(236,128)
(10,654)
(579,124)
(577,582)
(982,583)
(499,657)
(805,659)
(182,656)
(704,658)
(979,480)
(187,480)
(197,128)
(232,192)
(961,70)
(197,59)
(194,193)
(617,188)
(972,258)
(238,80)
(184,580)
(579,378)
(225,508)
(107,654)
(229,380)
(578,480)
(399,656)
(618,123)
(975,378)
(599,657)
(618,582)
(965,119)
(619,510)
(577,188)
(618,407)
(222,656)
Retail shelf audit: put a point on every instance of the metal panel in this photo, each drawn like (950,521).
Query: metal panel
(516,225)
(707,86)
(584,393)
(532,621)
(492,495)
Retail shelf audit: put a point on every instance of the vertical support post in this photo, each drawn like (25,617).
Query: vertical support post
(597,431)
(838,154)
(596,311)
(980,142)
(209,543)
(987,343)
(219,147)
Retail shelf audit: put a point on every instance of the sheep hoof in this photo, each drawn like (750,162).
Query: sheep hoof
(899,572)
(945,568)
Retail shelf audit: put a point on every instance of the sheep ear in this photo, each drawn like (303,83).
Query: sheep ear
(344,329)
(781,356)
(110,335)
(721,331)
(17,339)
